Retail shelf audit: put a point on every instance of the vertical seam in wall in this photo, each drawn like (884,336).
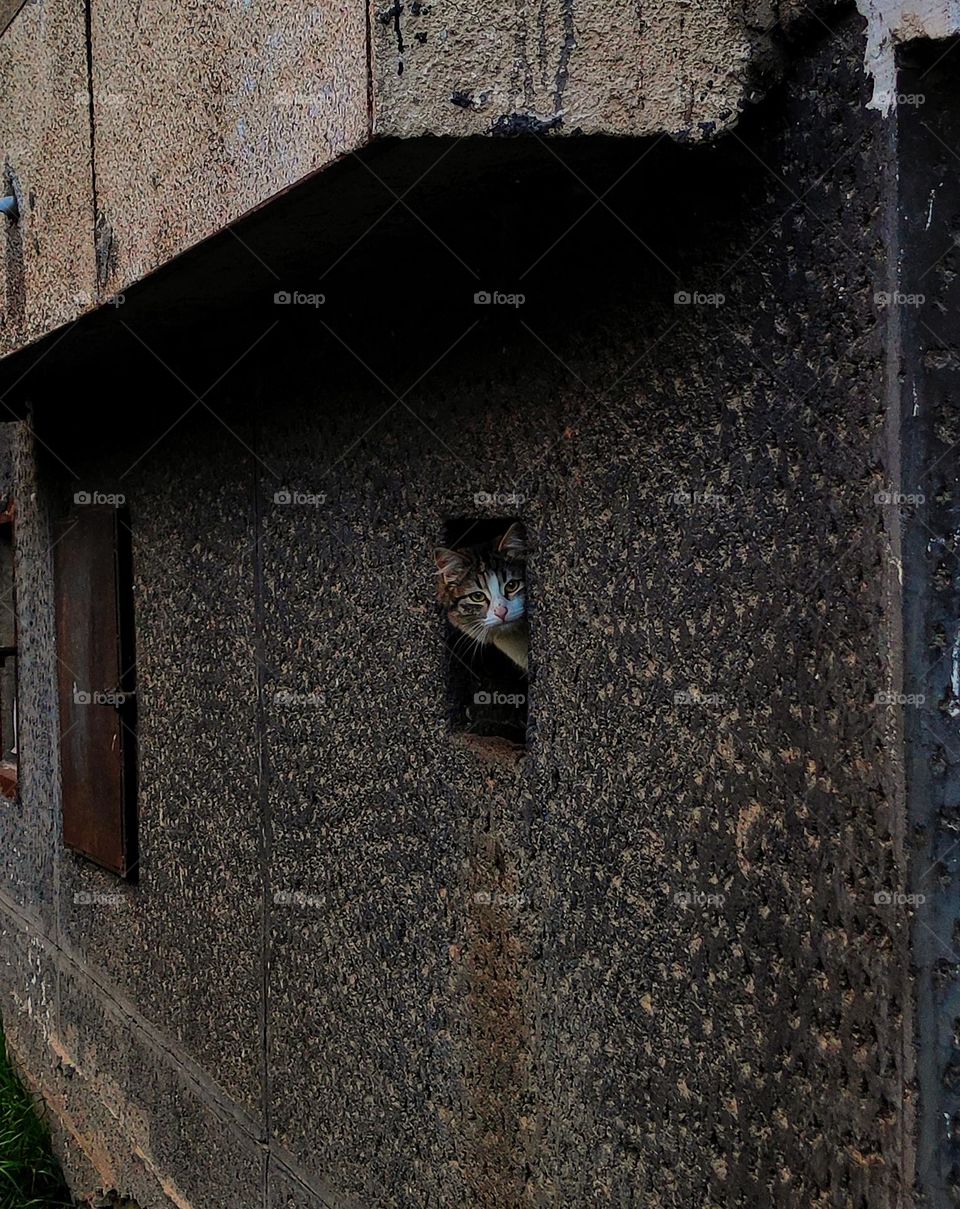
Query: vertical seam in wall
(894,588)
(88,19)
(930,605)
(367,4)
(264,805)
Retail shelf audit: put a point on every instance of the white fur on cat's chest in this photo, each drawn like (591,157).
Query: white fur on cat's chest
(513,640)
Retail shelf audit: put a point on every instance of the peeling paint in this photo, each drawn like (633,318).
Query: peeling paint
(892,22)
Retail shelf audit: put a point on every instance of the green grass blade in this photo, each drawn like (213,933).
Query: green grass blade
(30,1177)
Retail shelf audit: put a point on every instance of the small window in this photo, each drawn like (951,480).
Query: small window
(482,587)
(96,680)
(8,656)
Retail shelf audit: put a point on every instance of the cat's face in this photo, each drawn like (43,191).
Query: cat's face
(484,588)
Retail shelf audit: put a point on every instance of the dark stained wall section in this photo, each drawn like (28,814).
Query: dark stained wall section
(929,223)
(659,964)
(661,961)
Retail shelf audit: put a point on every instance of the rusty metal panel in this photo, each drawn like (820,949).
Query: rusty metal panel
(95,688)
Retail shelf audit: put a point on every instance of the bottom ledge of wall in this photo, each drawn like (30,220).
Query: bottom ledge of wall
(490,747)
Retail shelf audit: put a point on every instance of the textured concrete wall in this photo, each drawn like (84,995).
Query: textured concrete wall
(928,210)
(579,65)
(27,835)
(48,265)
(202,113)
(648,963)
(199,120)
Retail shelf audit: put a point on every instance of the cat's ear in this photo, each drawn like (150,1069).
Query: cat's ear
(452,564)
(514,542)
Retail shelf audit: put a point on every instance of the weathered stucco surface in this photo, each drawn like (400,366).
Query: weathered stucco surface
(203,111)
(658,962)
(48,263)
(578,65)
(200,115)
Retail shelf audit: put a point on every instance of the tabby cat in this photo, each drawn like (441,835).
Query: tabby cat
(483,589)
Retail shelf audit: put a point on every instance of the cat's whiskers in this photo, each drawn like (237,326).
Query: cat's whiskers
(470,642)
(475,582)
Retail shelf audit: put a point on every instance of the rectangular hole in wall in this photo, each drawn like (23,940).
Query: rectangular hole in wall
(487,698)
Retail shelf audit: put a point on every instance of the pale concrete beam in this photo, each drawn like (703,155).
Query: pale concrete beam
(48,267)
(891,22)
(577,66)
(203,113)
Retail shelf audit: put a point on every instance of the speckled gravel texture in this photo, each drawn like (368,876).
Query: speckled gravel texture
(48,255)
(569,67)
(133,132)
(645,966)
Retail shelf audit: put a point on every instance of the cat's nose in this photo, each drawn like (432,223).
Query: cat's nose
(501,611)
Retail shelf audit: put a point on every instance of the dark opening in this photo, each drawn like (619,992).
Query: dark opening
(487,696)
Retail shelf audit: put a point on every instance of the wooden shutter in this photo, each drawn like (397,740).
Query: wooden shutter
(96,686)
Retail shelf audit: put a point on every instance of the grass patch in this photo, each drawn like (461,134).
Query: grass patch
(30,1176)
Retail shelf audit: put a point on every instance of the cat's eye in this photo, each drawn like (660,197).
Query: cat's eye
(476,598)
(513,585)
